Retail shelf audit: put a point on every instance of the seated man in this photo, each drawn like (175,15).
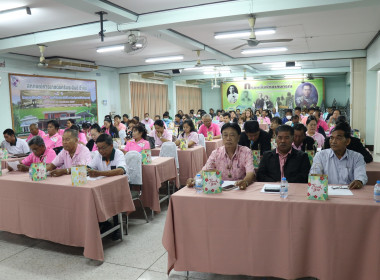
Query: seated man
(52,138)
(355,144)
(13,144)
(301,141)
(334,118)
(226,118)
(343,166)
(254,137)
(39,154)
(321,124)
(34,131)
(294,120)
(72,154)
(284,161)
(207,126)
(234,161)
(107,161)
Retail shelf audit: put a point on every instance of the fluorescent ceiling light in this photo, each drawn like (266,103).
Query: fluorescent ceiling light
(243,33)
(286,68)
(217,72)
(266,50)
(138,45)
(278,64)
(14,13)
(242,79)
(110,49)
(203,68)
(162,59)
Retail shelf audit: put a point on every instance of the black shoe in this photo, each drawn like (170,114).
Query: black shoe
(116,235)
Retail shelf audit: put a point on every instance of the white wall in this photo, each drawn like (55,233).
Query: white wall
(211,98)
(108,87)
(373,64)
(336,88)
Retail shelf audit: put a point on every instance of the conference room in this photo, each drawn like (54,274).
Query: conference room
(198,139)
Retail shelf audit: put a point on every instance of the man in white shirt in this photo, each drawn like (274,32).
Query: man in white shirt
(107,160)
(13,144)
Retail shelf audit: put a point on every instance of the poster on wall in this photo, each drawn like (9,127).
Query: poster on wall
(38,99)
(267,94)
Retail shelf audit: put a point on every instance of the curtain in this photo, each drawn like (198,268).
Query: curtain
(188,98)
(148,98)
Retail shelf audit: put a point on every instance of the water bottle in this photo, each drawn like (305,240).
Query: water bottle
(284,188)
(376,192)
(198,183)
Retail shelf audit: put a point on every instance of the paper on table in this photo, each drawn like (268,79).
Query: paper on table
(94,178)
(270,186)
(339,191)
(13,164)
(153,158)
(227,183)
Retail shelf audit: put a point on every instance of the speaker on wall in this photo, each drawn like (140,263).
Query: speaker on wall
(176,71)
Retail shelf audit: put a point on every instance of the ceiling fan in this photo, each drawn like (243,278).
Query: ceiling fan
(135,43)
(252,41)
(43,62)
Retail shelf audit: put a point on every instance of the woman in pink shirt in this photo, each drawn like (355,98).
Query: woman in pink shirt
(160,134)
(117,123)
(81,136)
(189,134)
(95,131)
(139,142)
(39,154)
(52,138)
(311,125)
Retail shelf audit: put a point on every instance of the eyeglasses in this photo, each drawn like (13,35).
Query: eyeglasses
(103,148)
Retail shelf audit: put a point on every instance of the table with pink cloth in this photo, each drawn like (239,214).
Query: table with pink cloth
(190,161)
(373,172)
(264,126)
(213,145)
(258,234)
(160,170)
(4,162)
(56,211)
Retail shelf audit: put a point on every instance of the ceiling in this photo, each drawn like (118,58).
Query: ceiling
(326,34)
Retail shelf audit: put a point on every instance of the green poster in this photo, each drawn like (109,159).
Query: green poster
(267,94)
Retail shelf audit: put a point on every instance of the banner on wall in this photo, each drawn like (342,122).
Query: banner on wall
(38,99)
(267,94)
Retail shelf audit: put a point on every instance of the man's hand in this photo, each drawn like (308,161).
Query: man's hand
(22,167)
(58,172)
(355,185)
(242,184)
(93,173)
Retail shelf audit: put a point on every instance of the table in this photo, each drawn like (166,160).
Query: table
(56,211)
(258,234)
(373,172)
(213,145)
(160,170)
(4,162)
(190,162)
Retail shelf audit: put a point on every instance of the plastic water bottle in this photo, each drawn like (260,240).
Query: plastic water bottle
(376,192)
(284,188)
(198,183)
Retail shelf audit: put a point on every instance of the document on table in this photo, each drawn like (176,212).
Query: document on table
(339,190)
(13,164)
(153,158)
(94,178)
(270,188)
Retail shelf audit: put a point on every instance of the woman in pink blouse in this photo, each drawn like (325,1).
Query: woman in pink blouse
(81,135)
(232,160)
(160,134)
(311,125)
(139,142)
(189,134)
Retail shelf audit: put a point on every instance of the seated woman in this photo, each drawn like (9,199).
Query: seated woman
(160,134)
(139,142)
(129,132)
(189,134)
(232,160)
(39,154)
(109,129)
(276,122)
(95,132)
(81,134)
(86,127)
(311,125)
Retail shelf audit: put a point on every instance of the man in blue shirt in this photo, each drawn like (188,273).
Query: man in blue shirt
(343,166)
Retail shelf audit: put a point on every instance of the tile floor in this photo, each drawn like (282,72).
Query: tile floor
(139,256)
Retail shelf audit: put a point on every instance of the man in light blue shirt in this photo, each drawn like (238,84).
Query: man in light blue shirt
(343,166)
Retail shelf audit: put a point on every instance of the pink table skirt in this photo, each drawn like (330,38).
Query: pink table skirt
(4,162)
(190,162)
(258,234)
(213,145)
(56,211)
(160,170)
(373,172)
